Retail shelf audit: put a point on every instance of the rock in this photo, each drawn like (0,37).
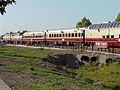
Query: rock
(72,61)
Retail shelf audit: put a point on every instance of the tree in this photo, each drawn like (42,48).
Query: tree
(83,23)
(4,4)
(118,18)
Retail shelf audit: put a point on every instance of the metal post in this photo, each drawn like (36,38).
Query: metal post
(113,50)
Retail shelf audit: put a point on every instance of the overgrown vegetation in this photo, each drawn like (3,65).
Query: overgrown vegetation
(59,77)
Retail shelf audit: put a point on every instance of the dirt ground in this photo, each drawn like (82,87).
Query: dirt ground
(17,79)
(20,80)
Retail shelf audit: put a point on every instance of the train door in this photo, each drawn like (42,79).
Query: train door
(83,37)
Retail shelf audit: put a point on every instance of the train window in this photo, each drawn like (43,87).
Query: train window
(69,35)
(57,35)
(66,34)
(112,36)
(63,35)
(119,35)
(103,36)
(108,36)
(114,25)
(108,25)
(60,35)
(105,26)
(93,26)
(79,35)
(117,25)
(49,35)
(54,35)
(75,34)
(111,25)
(90,27)
(102,25)
(72,34)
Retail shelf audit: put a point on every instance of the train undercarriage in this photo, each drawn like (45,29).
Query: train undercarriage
(65,45)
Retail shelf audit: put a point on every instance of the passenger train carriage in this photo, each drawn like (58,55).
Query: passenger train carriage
(14,37)
(102,35)
(33,36)
(65,35)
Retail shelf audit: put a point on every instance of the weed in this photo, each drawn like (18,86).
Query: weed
(14,68)
(36,86)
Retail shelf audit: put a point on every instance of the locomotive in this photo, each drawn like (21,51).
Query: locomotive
(103,35)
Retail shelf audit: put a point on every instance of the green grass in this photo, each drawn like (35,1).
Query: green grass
(88,77)
(106,75)
(14,68)
(36,86)
(23,52)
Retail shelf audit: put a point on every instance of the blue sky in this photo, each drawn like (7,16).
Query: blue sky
(37,15)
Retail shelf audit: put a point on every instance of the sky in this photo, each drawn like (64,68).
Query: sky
(39,15)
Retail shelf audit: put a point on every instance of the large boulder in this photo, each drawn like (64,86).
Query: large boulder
(70,60)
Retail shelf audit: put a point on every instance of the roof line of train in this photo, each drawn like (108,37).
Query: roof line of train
(93,26)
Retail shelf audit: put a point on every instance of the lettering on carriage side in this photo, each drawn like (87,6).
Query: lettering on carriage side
(101,44)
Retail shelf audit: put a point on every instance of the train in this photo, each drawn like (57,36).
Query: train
(102,35)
